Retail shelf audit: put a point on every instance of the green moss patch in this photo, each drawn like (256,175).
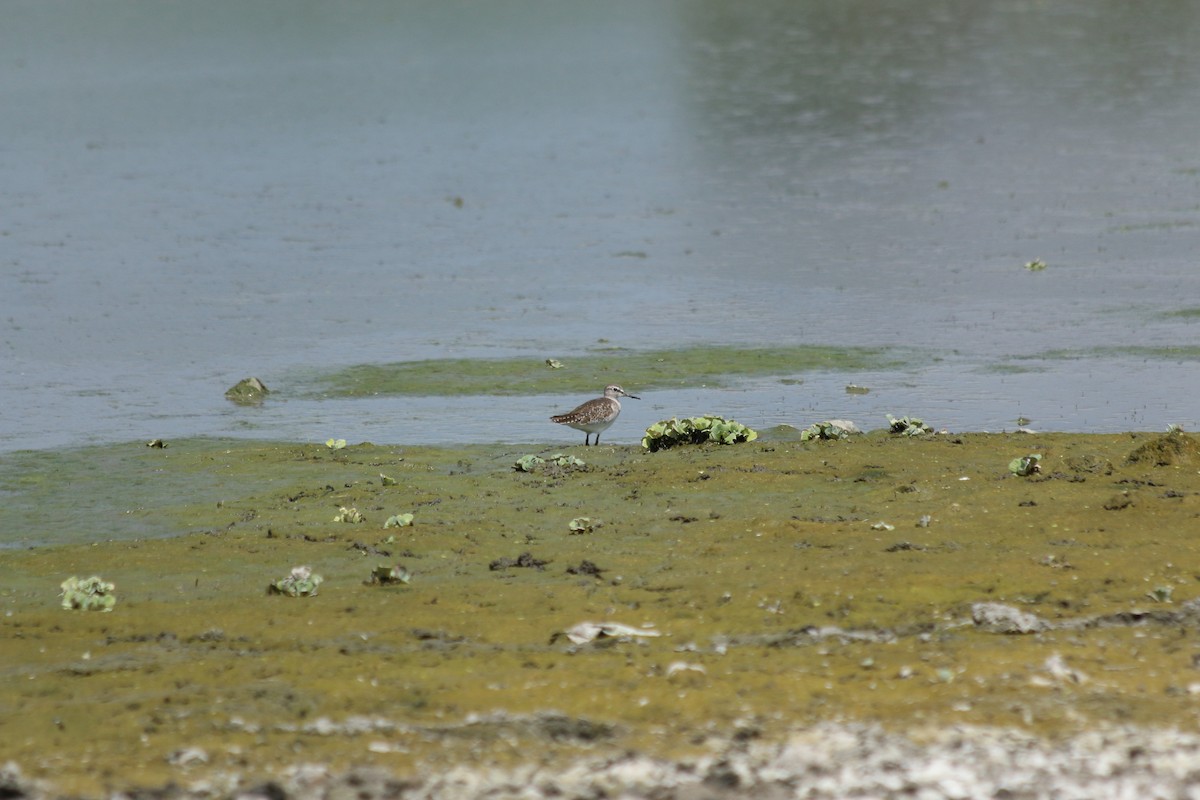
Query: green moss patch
(657,369)
(1183,313)
(1165,352)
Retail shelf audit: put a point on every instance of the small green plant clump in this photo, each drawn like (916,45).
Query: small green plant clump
(1026,465)
(531,462)
(351,515)
(908,426)
(581,525)
(528,463)
(1161,594)
(695,430)
(832,429)
(302,582)
(386,575)
(398,521)
(89,594)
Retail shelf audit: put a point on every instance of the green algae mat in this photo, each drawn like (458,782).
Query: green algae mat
(639,602)
(697,366)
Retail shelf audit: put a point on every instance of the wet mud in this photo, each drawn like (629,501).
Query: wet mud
(907,584)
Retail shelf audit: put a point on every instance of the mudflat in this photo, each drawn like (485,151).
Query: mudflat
(739,594)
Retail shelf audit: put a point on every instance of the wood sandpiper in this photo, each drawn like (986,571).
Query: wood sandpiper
(597,415)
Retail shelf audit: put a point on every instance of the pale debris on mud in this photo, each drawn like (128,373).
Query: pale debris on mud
(826,761)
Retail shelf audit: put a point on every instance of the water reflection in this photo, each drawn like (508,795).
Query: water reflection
(862,72)
(814,77)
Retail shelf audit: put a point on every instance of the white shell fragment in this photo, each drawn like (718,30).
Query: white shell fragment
(683,668)
(187,756)
(1057,667)
(586,632)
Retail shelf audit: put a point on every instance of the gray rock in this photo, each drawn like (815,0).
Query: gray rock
(999,618)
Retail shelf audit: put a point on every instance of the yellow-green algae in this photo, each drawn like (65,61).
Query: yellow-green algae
(740,556)
(1159,352)
(699,366)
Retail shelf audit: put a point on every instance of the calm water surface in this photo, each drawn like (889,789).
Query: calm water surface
(197,192)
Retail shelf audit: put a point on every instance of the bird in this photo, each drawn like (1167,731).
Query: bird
(596,415)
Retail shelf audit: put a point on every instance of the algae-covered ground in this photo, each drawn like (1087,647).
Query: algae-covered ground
(791,583)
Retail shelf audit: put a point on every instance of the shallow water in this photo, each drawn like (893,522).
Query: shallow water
(197,194)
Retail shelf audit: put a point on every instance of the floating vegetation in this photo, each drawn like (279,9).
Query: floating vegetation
(385,575)
(247,392)
(1178,353)
(582,525)
(302,582)
(349,515)
(1184,313)
(856,389)
(830,429)
(398,521)
(1026,465)
(554,363)
(1037,265)
(908,426)
(89,594)
(698,366)
(695,430)
(335,444)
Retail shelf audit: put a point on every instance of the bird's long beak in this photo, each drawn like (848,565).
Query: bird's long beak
(634,396)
